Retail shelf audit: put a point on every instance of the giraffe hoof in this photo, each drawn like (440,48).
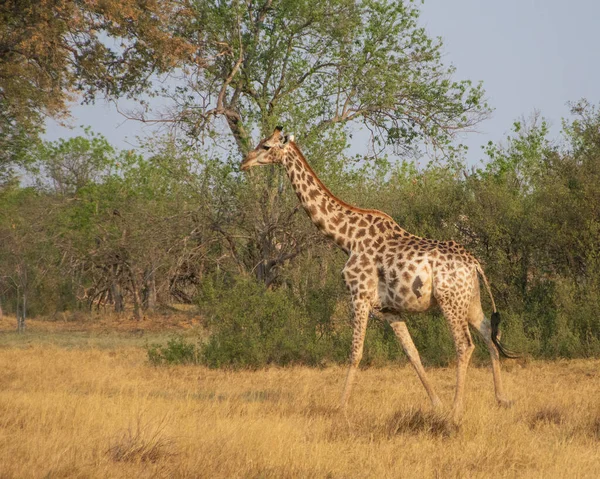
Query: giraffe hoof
(506,403)
(456,419)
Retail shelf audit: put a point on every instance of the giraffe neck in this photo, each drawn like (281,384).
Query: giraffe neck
(336,219)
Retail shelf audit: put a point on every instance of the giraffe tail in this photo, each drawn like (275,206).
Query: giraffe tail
(507,353)
(495,320)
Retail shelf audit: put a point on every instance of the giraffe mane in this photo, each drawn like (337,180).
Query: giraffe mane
(328,191)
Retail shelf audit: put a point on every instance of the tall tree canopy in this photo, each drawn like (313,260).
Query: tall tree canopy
(316,65)
(312,65)
(52,49)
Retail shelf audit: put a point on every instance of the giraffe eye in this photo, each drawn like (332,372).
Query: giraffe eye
(266,147)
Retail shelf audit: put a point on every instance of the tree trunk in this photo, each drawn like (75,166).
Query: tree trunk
(524,271)
(22,314)
(149,292)
(117,296)
(136,297)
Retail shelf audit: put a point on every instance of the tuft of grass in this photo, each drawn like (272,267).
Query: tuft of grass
(547,415)
(417,421)
(590,426)
(141,443)
(595,428)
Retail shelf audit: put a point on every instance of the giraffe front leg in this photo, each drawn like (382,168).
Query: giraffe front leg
(361,316)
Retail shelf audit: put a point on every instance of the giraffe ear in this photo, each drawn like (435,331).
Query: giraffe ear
(277,133)
(288,138)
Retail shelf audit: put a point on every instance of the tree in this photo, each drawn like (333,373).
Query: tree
(287,61)
(52,49)
(26,253)
(68,165)
(321,69)
(130,231)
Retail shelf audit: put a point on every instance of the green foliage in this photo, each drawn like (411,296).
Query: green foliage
(253,327)
(177,350)
(286,63)
(50,49)
(70,165)
(433,340)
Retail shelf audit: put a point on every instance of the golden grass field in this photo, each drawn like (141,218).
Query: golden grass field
(86,403)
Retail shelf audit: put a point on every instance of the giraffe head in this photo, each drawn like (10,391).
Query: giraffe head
(270,150)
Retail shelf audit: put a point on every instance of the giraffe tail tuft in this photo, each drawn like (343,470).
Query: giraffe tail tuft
(507,353)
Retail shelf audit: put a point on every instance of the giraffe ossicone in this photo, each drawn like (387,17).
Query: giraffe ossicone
(392,272)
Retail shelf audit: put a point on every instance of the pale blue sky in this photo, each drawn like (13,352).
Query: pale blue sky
(530,54)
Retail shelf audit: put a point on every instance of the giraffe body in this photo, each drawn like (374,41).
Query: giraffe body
(392,272)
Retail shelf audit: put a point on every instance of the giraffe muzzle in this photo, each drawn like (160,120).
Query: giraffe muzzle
(247,164)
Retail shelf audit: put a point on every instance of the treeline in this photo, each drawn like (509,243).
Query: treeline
(86,227)
(107,230)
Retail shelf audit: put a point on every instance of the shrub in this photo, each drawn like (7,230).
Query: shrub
(176,351)
(253,326)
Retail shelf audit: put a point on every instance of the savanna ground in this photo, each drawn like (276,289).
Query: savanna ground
(80,399)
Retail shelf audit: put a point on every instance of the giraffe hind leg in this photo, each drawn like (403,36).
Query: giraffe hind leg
(456,315)
(484,328)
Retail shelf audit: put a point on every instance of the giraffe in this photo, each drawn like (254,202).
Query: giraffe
(392,272)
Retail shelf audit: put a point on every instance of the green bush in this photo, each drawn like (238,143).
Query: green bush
(176,351)
(252,326)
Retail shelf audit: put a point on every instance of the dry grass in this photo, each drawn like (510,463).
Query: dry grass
(111,331)
(176,320)
(90,412)
(141,443)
